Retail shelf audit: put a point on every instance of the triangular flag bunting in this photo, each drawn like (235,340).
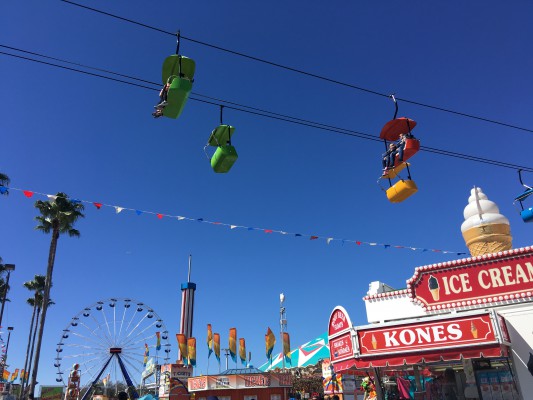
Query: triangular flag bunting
(98,205)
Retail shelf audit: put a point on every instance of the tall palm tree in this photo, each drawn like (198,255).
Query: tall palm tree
(4,182)
(58,216)
(4,287)
(36,286)
(39,302)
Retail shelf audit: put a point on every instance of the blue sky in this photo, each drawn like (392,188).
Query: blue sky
(96,140)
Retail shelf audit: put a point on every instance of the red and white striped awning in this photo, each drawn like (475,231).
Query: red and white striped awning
(398,360)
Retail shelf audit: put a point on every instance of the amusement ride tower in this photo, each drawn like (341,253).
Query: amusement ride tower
(187,306)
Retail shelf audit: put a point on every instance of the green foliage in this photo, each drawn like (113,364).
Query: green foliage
(4,181)
(61,214)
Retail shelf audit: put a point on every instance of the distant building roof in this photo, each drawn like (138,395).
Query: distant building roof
(241,371)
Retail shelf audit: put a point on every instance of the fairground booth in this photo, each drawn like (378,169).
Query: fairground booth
(242,384)
(480,325)
(462,329)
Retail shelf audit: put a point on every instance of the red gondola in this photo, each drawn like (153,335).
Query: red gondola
(398,130)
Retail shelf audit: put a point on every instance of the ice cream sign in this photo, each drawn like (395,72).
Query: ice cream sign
(467,331)
(477,281)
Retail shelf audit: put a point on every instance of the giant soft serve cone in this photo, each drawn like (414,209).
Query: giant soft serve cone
(485,230)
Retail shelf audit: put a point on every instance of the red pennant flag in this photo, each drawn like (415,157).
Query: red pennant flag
(313,238)
(268,230)
(98,205)
(358,243)
(27,193)
(159,216)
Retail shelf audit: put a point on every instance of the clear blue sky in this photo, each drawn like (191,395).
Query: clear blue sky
(96,140)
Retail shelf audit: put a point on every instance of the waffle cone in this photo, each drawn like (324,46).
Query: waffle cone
(486,239)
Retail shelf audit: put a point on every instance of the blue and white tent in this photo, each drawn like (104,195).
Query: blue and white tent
(309,353)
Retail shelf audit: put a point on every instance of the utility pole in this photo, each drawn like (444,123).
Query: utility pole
(226,353)
(282,325)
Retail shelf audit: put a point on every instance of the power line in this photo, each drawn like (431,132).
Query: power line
(252,110)
(302,72)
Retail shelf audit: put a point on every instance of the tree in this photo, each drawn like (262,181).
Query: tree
(58,217)
(4,287)
(4,182)
(36,286)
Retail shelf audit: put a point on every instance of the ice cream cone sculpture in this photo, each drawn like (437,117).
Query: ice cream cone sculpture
(374,342)
(485,230)
(473,329)
(433,284)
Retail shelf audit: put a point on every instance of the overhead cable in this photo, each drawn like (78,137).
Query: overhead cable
(250,110)
(302,72)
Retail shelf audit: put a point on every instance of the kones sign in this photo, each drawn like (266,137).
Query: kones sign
(429,335)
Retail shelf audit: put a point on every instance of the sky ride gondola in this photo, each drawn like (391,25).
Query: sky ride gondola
(403,145)
(525,213)
(225,155)
(177,78)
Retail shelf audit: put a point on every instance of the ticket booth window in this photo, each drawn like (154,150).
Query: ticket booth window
(252,397)
(275,397)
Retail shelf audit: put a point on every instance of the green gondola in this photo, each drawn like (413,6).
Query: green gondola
(179,72)
(225,154)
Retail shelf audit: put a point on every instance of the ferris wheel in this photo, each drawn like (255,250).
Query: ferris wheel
(115,342)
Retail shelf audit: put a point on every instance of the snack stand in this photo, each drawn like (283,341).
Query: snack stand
(461,329)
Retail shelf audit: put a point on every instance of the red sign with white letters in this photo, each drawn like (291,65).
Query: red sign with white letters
(341,347)
(430,335)
(475,282)
(339,321)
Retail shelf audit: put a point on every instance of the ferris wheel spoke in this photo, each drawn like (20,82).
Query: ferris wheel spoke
(134,340)
(132,364)
(99,328)
(107,324)
(91,331)
(88,339)
(136,326)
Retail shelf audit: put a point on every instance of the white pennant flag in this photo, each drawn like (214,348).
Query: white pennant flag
(118,209)
(233,226)
(180,218)
(51,197)
(329,240)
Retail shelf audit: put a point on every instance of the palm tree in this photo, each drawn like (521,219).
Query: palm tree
(4,288)
(39,301)
(58,216)
(4,181)
(36,286)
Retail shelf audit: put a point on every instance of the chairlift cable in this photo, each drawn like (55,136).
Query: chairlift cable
(302,72)
(273,115)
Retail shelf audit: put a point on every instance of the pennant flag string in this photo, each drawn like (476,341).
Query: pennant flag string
(327,239)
